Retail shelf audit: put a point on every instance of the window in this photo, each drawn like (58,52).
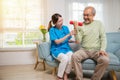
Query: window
(78,7)
(20,20)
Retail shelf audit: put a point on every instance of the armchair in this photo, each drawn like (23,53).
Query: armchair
(43,52)
(39,57)
(113,49)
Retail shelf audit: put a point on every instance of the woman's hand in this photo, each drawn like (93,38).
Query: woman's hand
(73,32)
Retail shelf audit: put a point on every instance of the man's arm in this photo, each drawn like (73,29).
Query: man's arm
(78,33)
(103,38)
(103,41)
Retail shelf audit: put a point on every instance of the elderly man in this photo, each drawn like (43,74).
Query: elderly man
(92,39)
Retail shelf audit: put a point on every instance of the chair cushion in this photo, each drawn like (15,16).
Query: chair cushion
(117,53)
(113,46)
(114,60)
(51,62)
(113,42)
(74,46)
(89,64)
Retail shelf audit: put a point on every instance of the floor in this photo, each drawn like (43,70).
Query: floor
(26,72)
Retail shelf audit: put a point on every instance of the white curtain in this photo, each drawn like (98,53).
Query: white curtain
(106,10)
(111,14)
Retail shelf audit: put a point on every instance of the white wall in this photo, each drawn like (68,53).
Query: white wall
(17,57)
(55,6)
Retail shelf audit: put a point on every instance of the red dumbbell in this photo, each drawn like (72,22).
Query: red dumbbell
(79,23)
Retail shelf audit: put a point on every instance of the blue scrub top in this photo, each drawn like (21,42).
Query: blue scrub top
(55,34)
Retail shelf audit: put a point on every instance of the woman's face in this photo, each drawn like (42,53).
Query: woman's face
(59,23)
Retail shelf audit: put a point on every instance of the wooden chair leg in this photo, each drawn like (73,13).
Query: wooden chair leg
(113,75)
(54,71)
(44,68)
(36,65)
(43,62)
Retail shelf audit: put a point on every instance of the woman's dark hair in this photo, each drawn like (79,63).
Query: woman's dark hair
(53,20)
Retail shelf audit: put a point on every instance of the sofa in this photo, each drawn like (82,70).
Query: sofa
(113,49)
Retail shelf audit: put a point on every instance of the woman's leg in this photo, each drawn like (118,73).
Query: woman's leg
(69,66)
(63,58)
(65,77)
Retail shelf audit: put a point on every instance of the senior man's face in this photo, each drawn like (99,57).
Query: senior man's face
(88,16)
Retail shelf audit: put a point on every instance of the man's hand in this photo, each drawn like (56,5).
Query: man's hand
(75,24)
(103,53)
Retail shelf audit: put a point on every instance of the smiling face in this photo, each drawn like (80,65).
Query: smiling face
(88,15)
(57,20)
(59,23)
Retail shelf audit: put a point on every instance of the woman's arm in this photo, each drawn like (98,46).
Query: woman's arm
(58,41)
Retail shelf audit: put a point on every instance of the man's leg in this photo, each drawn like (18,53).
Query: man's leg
(102,64)
(77,57)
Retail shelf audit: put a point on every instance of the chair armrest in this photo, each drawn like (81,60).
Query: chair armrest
(36,52)
(117,53)
(44,50)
